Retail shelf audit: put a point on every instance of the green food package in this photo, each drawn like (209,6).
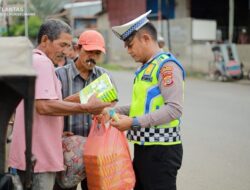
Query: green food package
(103,87)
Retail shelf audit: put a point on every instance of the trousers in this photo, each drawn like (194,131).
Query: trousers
(156,166)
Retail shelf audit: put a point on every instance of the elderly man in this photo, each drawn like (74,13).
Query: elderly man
(153,117)
(79,74)
(54,38)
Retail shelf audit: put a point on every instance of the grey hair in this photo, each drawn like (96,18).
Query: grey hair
(53,28)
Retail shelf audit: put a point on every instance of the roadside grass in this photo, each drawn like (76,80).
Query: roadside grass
(118,67)
(195,74)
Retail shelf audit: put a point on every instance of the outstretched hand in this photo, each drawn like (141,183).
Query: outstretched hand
(95,105)
(67,134)
(104,116)
(123,123)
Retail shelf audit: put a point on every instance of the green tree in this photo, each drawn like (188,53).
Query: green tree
(43,9)
(34,25)
(18,29)
(46,8)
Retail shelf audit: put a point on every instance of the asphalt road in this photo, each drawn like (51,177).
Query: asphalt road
(215,133)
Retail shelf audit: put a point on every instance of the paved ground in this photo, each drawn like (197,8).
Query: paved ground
(216,136)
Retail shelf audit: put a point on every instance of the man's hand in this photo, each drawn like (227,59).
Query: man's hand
(104,115)
(124,123)
(96,106)
(67,134)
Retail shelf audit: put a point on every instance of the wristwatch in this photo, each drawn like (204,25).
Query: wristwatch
(135,124)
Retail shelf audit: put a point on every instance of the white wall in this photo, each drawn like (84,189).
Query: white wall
(204,29)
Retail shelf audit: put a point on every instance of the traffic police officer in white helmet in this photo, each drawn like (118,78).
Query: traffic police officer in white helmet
(153,118)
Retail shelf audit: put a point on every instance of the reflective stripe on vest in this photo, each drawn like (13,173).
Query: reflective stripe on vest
(155,136)
(147,98)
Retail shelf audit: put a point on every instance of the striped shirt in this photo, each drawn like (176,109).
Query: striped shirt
(72,83)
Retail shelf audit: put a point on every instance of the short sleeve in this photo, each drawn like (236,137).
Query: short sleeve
(45,82)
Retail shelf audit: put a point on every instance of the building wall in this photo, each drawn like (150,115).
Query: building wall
(195,57)
(103,22)
(182,8)
(243,51)
(102,26)
(122,11)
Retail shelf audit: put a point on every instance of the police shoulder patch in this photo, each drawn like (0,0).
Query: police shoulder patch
(167,75)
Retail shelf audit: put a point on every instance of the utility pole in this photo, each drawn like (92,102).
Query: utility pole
(72,22)
(231,21)
(169,41)
(159,17)
(26,18)
(5,4)
(168,25)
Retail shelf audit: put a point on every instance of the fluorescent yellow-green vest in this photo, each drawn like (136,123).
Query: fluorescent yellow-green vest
(147,98)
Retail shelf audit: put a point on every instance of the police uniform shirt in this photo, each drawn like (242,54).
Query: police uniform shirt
(171,86)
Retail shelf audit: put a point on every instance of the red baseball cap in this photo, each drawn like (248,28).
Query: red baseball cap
(92,40)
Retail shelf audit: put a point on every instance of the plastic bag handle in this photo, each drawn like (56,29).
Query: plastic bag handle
(102,127)
(95,125)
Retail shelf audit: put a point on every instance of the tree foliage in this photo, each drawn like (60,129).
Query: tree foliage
(18,29)
(46,8)
(43,9)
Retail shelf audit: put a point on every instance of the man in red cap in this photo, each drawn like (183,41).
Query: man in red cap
(77,75)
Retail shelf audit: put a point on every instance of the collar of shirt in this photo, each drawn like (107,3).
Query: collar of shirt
(76,73)
(38,51)
(148,62)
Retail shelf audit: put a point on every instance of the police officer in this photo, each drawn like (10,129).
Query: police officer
(153,117)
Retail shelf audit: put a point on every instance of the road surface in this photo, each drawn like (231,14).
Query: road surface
(215,133)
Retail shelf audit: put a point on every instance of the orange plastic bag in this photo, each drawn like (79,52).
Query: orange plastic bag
(107,159)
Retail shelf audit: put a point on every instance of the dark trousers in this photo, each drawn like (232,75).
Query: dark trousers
(156,166)
(83,186)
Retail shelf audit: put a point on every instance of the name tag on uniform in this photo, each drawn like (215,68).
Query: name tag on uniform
(147,78)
